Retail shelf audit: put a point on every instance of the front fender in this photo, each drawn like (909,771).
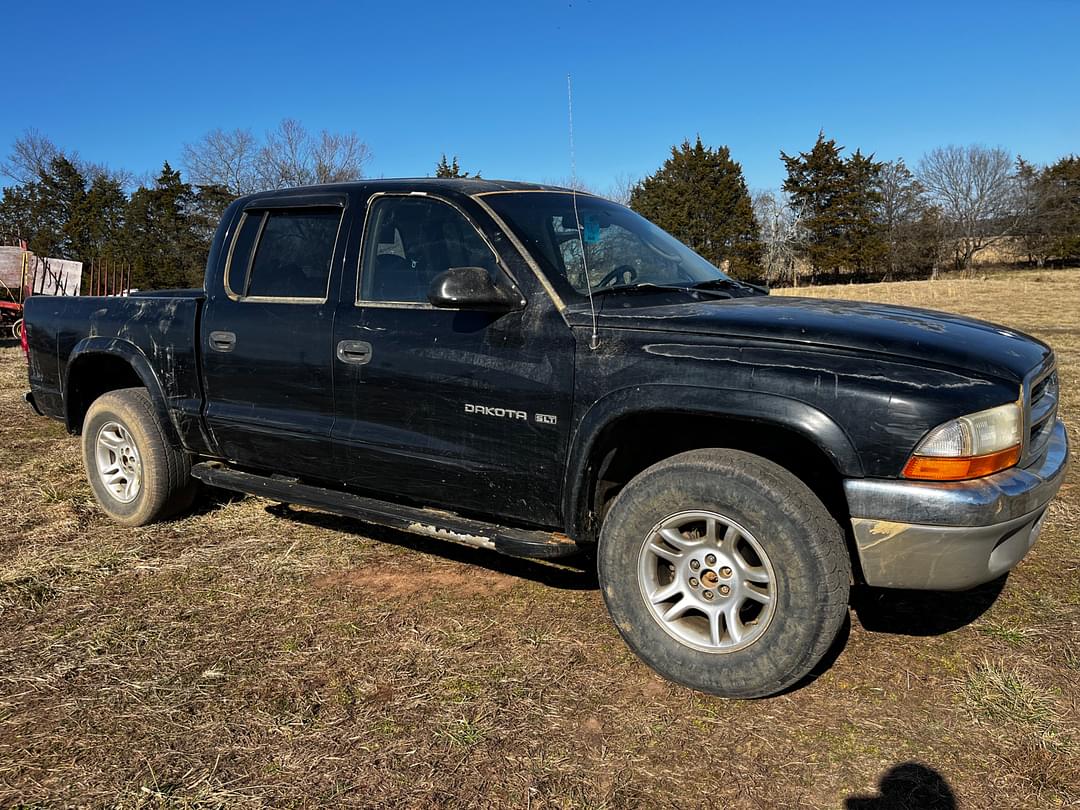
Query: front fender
(792,414)
(97,346)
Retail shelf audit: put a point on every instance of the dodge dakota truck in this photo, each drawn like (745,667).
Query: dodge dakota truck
(545,373)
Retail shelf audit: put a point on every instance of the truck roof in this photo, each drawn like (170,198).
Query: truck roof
(466,185)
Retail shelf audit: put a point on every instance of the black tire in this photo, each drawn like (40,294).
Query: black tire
(166,486)
(804,546)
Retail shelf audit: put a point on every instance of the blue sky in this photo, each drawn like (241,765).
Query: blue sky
(129,84)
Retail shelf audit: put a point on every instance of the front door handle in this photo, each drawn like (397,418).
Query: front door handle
(356,352)
(222,341)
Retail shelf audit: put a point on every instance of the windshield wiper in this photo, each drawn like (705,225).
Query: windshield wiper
(729,283)
(648,286)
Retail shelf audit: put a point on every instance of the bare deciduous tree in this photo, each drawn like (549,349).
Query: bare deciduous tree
(293,157)
(339,157)
(974,188)
(288,156)
(30,157)
(621,187)
(910,223)
(225,159)
(781,233)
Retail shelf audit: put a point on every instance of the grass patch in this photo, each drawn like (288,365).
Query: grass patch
(1007,632)
(1001,694)
(241,657)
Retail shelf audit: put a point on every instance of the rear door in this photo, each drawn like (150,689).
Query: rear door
(463,410)
(266,335)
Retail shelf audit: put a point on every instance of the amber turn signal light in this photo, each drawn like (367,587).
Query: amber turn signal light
(931,468)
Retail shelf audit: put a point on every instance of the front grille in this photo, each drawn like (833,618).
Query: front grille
(1042,412)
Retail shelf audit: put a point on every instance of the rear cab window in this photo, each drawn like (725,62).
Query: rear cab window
(283,254)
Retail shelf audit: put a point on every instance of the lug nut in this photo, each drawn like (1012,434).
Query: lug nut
(695,564)
(724,590)
(725,571)
(710,559)
(707,594)
(693,582)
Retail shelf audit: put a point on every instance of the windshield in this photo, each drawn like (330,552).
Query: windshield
(622,249)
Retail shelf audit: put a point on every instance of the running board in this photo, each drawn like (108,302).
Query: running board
(427,522)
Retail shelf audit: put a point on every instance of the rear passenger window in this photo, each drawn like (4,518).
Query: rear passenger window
(284,253)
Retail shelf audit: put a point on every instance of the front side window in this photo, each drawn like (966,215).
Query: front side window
(284,253)
(621,248)
(409,241)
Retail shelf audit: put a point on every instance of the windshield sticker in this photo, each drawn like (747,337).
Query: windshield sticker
(591,230)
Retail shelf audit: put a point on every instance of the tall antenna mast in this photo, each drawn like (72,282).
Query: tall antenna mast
(594,340)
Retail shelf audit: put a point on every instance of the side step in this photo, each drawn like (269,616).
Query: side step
(428,522)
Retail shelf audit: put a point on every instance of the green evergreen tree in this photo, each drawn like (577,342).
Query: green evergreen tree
(451,169)
(101,220)
(700,197)
(1050,203)
(1063,188)
(837,201)
(163,241)
(49,211)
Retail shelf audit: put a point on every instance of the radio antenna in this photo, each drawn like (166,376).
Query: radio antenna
(594,340)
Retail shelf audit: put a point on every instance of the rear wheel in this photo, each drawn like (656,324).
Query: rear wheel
(724,572)
(136,474)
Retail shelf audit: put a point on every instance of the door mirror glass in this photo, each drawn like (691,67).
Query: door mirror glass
(470,288)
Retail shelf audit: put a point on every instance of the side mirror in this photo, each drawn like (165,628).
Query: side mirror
(470,288)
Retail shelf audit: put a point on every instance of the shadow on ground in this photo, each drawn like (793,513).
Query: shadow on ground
(878,610)
(572,574)
(908,786)
(922,613)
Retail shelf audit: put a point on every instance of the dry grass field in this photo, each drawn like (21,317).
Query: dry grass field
(247,657)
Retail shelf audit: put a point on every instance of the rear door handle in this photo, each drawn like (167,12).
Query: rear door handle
(356,352)
(222,341)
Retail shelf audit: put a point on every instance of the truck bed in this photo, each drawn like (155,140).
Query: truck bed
(156,331)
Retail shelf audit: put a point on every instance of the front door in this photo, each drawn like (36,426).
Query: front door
(266,338)
(456,409)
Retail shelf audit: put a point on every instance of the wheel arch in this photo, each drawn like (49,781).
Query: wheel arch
(98,365)
(629,430)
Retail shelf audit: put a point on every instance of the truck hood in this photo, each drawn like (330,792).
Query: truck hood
(924,336)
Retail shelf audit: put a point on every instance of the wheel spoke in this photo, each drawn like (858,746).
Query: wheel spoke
(731,619)
(666,593)
(757,594)
(730,538)
(754,574)
(675,538)
(111,439)
(716,627)
(660,550)
(712,529)
(677,610)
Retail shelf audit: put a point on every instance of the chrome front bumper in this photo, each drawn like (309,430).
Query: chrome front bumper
(957,535)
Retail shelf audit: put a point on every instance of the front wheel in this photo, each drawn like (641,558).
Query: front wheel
(136,474)
(724,572)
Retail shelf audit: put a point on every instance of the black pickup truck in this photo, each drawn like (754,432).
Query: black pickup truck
(545,373)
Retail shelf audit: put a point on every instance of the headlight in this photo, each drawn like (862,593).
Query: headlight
(969,447)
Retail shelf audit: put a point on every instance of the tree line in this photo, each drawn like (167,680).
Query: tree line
(853,217)
(161,227)
(839,215)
